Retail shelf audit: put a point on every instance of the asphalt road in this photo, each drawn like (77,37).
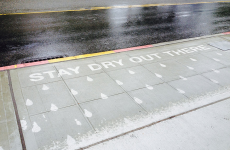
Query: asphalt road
(72,33)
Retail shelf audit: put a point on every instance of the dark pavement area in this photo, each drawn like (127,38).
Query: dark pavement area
(13,6)
(72,33)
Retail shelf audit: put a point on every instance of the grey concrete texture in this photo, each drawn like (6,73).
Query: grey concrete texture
(112,110)
(134,78)
(100,85)
(55,5)
(71,98)
(206,128)
(153,99)
(9,135)
(227,37)
(224,45)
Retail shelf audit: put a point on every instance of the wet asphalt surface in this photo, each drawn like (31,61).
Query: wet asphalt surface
(29,36)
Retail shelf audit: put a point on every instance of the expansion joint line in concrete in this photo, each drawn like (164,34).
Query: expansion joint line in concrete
(16,112)
(148,125)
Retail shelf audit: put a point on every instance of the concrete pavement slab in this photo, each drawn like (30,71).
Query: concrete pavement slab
(194,86)
(72,122)
(110,111)
(35,73)
(9,134)
(4,142)
(134,78)
(223,45)
(76,68)
(32,100)
(223,57)
(57,126)
(200,63)
(93,87)
(55,95)
(29,136)
(157,98)
(14,137)
(221,76)
(170,70)
(43,130)
(206,128)
(227,37)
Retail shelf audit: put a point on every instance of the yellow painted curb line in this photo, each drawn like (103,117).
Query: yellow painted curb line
(94,54)
(60,59)
(80,56)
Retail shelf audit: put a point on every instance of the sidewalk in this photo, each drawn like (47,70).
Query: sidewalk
(76,103)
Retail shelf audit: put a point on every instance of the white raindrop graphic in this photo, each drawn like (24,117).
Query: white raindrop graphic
(29,102)
(192,59)
(216,59)
(89,79)
(183,78)
(138,101)
(180,91)
(162,65)
(36,128)
(53,107)
(191,68)
(74,92)
(214,81)
(78,122)
(119,82)
(45,87)
(71,142)
(148,87)
(44,116)
(23,124)
(87,113)
(131,72)
(103,96)
(216,71)
(158,75)
(219,54)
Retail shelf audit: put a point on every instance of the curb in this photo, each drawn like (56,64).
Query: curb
(102,53)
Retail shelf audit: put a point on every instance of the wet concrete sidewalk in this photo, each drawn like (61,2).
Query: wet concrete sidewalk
(60,105)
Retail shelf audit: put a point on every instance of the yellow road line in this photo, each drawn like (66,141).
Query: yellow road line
(60,59)
(80,56)
(93,54)
(114,7)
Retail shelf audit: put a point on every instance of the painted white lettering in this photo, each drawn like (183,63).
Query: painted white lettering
(76,70)
(94,67)
(107,64)
(187,50)
(50,73)
(194,48)
(119,62)
(62,72)
(135,59)
(148,57)
(203,47)
(168,52)
(156,55)
(178,52)
(36,77)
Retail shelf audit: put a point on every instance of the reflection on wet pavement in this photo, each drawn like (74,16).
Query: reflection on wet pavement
(72,33)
